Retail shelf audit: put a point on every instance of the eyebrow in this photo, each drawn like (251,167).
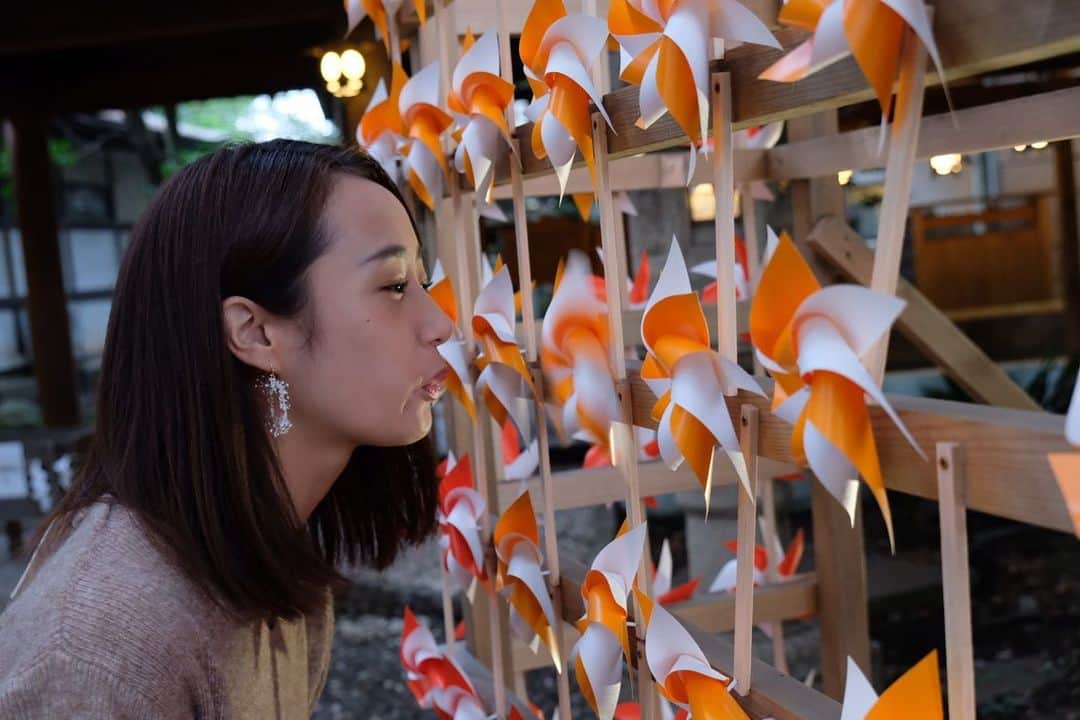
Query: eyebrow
(394,251)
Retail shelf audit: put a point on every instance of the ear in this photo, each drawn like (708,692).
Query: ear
(245,332)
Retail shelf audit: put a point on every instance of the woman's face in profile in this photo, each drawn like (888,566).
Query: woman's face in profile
(371,372)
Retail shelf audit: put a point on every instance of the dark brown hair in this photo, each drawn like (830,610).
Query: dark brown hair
(180,437)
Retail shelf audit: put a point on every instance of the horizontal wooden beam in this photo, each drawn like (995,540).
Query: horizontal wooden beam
(774,694)
(975,36)
(1007,469)
(927,327)
(1046,116)
(583,488)
(790,600)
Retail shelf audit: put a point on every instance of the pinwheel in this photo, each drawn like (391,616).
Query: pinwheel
(637,288)
(478,101)
(632,711)
(812,340)
(666,48)
(604,642)
(518,463)
(1066,466)
(557,51)
(917,694)
(455,351)
(689,378)
(599,456)
(427,670)
(503,373)
(461,512)
(664,593)
(742,275)
(383,14)
(681,669)
(424,164)
(574,354)
(622,201)
(517,545)
(786,566)
(381,125)
(870,30)
(456,703)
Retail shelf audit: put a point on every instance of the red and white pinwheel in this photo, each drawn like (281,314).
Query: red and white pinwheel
(428,672)
(662,590)
(518,463)
(742,275)
(461,513)
(785,569)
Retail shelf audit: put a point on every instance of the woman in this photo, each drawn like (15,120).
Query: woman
(263,408)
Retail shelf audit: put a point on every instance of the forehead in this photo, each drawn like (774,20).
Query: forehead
(362,217)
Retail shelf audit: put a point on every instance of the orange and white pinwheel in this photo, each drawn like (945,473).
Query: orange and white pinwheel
(664,593)
(478,101)
(786,566)
(681,670)
(665,48)
(574,354)
(424,121)
(1066,466)
(813,341)
(557,51)
(632,711)
(598,653)
(383,14)
(503,373)
(690,379)
(461,513)
(456,352)
(917,694)
(381,127)
(517,545)
(427,670)
(870,30)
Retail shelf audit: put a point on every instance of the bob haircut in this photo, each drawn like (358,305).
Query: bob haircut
(180,437)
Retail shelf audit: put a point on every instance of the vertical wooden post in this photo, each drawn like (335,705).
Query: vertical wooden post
(903,140)
(751,237)
(1070,242)
(744,578)
(838,544)
(723,162)
(528,320)
(956,584)
(50,332)
(624,443)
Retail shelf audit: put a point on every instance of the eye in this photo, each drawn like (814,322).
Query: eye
(397,288)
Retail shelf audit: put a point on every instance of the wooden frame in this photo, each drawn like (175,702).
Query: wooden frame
(1005,471)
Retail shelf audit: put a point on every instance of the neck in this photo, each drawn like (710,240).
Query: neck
(310,466)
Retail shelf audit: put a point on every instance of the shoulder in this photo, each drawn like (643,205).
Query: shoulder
(108,603)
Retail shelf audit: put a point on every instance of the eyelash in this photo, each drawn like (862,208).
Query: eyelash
(399,288)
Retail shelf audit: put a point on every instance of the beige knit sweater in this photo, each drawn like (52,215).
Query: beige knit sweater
(107,627)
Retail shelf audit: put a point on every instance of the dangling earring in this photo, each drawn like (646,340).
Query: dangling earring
(277,400)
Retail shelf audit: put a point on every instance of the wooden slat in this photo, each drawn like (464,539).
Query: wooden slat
(746,522)
(582,488)
(956,583)
(922,323)
(791,600)
(1007,471)
(974,36)
(774,694)
(1046,116)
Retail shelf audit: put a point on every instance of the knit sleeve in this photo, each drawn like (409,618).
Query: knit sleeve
(59,686)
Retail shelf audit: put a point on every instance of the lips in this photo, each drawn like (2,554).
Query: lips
(435,386)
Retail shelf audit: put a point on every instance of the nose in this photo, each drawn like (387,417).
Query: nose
(436,326)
